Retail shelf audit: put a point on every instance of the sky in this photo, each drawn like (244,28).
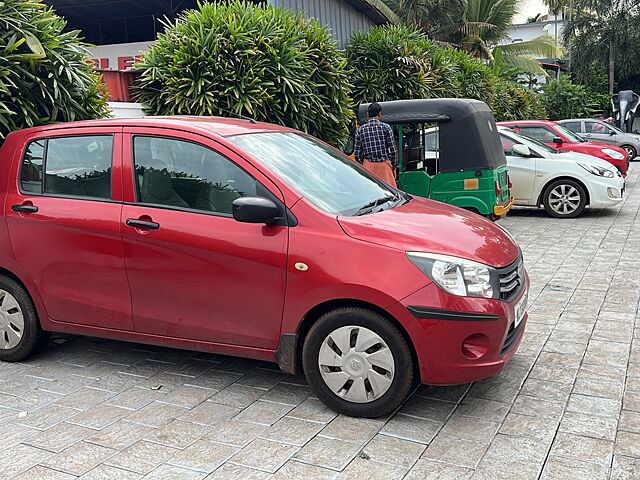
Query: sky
(528,8)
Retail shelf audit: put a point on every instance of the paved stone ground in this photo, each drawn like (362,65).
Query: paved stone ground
(566,407)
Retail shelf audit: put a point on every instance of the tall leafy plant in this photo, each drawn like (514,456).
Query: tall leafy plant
(391,62)
(44,75)
(400,62)
(239,59)
(565,99)
(607,31)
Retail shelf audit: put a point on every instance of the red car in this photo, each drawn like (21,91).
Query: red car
(250,239)
(561,138)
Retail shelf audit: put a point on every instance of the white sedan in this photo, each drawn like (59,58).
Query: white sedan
(564,183)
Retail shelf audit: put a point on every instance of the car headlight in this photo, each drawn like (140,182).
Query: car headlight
(613,153)
(458,276)
(595,170)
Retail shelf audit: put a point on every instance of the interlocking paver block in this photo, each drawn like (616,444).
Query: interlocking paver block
(264,455)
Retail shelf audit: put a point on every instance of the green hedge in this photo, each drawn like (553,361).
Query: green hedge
(565,99)
(236,58)
(396,62)
(44,77)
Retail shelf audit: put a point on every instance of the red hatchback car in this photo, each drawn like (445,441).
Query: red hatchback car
(254,240)
(561,138)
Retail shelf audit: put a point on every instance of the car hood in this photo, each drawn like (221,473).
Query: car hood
(423,225)
(586,147)
(582,158)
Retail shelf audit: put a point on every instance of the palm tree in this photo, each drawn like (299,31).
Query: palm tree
(477,26)
(607,31)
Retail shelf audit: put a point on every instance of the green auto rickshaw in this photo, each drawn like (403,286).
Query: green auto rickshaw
(449,150)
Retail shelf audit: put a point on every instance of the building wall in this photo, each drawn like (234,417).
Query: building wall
(529,31)
(343,19)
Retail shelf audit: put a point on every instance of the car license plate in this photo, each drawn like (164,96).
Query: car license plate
(520,309)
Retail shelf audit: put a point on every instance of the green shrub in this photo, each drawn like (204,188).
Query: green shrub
(240,59)
(565,99)
(390,63)
(44,77)
(398,62)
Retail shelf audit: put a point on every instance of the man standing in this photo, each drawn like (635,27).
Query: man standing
(375,147)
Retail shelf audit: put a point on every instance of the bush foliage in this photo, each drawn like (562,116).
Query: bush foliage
(44,77)
(236,58)
(396,62)
(565,99)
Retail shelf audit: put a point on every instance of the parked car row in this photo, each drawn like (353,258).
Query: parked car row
(159,230)
(563,182)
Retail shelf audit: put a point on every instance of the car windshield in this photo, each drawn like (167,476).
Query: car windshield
(323,176)
(613,127)
(573,137)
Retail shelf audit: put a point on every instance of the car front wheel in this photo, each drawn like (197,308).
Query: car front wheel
(358,362)
(20,332)
(564,199)
(631,151)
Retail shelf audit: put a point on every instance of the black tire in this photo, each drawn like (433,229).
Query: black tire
(549,198)
(403,376)
(631,150)
(33,337)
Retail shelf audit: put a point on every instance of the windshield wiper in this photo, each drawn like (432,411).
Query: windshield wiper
(368,208)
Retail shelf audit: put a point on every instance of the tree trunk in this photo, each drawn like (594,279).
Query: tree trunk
(611,69)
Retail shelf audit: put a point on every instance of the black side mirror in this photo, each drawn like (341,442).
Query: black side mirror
(557,140)
(612,132)
(255,210)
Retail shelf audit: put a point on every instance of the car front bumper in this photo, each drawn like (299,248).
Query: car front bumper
(606,192)
(461,339)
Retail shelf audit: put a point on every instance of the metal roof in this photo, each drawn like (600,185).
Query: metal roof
(122,21)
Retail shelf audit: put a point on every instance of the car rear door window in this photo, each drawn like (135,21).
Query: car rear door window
(78,166)
(184,174)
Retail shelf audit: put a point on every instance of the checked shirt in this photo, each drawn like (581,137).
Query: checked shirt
(374,142)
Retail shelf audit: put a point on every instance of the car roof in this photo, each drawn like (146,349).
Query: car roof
(220,126)
(581,120)
(527,122)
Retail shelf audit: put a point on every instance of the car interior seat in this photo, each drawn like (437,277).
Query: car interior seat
(157,186)
(217,193)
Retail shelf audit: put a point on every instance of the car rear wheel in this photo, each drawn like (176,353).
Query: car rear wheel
(631,151)
(20,333)
(564,199)
(358,362)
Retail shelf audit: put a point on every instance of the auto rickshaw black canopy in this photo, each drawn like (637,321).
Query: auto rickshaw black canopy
(468,136)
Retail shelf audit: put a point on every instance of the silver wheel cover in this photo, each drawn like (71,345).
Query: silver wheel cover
(564,199)
(356,364)
(11,321)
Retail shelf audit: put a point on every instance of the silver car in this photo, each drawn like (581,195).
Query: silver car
(601,131)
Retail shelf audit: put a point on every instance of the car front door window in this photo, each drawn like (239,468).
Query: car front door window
(184,174)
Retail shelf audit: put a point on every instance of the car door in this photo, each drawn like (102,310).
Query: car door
(541,133)
(63,216)
(522,172)
(195,272)
(599,132)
